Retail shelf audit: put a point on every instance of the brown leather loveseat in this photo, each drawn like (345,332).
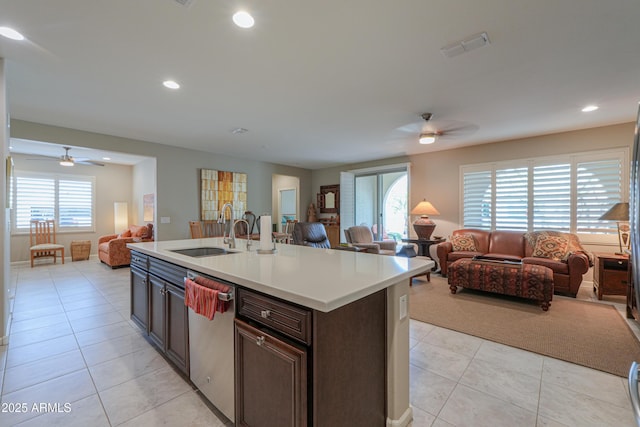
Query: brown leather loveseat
(568,262)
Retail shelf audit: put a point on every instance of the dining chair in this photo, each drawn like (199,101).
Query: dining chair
(42,240)
(196,229)
(211,228)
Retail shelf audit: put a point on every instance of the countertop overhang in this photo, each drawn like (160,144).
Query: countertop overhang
(321,279)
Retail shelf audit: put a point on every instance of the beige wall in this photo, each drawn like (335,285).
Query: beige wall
(8,284)
(435,176)
(113,184)
(177,179)
(144,182)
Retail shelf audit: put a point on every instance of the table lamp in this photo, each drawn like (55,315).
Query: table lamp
(620,213)
(423,226)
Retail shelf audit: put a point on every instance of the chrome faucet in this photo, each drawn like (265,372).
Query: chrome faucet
(248,235)
(231,240)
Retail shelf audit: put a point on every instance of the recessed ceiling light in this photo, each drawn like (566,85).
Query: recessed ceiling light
(106,158)
(239,130)
(10,33)
(171,84)
(590,108)
(243,19)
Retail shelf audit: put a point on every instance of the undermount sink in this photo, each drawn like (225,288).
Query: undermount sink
(200,252)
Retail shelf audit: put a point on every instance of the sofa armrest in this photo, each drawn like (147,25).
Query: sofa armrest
(107,238)
(443,250)
(578,263)
(389,245)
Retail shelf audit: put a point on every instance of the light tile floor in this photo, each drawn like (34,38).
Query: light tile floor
(72,344)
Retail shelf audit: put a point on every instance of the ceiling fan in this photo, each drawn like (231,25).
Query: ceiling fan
(67,160)
(429,130)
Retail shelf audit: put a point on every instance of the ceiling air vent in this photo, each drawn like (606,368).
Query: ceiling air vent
(185,3)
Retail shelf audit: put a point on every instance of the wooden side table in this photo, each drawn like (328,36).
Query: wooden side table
(610,274)
(423,245)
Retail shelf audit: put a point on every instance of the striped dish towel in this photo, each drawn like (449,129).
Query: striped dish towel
(200,299)
(221,306)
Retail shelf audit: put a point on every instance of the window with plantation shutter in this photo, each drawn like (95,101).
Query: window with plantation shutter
(512,199)
(567,193)
(68,199)
(599,187)
(552,197)
(477,200)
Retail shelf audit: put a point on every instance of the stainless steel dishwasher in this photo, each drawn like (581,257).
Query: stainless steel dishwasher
(211,349)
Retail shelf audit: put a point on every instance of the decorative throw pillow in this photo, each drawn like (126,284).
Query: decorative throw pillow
(126,233)
(553,247)
(463,242)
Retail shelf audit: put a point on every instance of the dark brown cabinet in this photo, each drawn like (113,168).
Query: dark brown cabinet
(271,380)
(140,298)
(292,367)
(157,305)
(157,309)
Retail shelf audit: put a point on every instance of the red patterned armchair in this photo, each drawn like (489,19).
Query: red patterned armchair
(112,249)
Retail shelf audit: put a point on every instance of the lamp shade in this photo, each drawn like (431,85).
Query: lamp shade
(423,226)
(424,208)
(120,216)
(618,212)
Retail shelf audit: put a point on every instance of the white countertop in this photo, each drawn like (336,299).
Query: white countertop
(321,279)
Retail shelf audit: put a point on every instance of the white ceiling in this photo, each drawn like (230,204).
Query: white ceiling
(321,83)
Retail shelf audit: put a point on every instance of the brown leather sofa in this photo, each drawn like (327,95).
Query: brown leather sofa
(113,250)
(515,245)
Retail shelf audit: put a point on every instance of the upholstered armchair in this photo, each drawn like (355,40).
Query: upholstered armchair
(112,249)
(361,236)
(310,234)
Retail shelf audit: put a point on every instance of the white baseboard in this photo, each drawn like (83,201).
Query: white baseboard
(403,421)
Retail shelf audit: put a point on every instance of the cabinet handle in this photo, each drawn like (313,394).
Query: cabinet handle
(260,340)
(265,314)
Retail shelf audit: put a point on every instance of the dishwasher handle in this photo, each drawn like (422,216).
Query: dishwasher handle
(633,391)
(222,296)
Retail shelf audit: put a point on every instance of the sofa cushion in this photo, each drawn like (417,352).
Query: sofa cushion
(138,230)
(552,247)
(454,256)
(125,233)
(463,242)
(559,267)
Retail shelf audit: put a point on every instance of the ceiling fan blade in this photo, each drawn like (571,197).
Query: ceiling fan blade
(88,162)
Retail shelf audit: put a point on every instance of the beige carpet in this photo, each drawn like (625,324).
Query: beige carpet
(585,333)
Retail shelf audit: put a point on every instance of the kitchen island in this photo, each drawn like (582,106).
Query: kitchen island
(321,336)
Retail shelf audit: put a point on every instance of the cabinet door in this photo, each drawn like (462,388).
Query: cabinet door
(177,338)
(157,304)
(271,380)
(140,298)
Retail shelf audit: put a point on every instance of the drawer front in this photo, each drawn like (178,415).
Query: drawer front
(615,281)
(171,273)
(292,321)
(613,264)
(140,260)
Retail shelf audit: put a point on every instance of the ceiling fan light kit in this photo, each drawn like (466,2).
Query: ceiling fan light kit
(427,138)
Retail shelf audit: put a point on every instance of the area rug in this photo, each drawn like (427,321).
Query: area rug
(586,333)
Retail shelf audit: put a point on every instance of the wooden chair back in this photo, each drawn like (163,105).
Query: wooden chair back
(196,229)
(42,240)
(211,228)
(42,232)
